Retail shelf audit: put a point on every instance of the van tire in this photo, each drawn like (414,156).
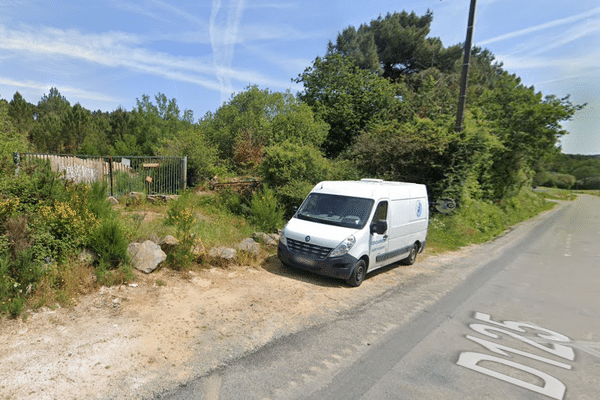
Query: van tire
(358,273)
(412,256)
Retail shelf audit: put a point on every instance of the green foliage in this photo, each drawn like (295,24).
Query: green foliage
(553,179)
(345,97)
(18,278)
(290,168)
(585,169)
(13,138)
(410,152)
(109,242)
(183,218)
(265,211)
(256,119)
(107,276)
(592,183)
(202,156)
(396,45)
(480,221)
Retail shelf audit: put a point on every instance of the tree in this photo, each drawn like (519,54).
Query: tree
(256,119)
(347,98)
(202,155)
(47,133)
(358,46)
(396,45)
(11,140)
(21,113)
(528,126)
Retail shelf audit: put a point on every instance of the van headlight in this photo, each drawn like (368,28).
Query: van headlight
(283,239)
(344,247)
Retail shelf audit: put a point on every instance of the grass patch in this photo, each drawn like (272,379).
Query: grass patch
(555,194)
(478,221)
(590,192)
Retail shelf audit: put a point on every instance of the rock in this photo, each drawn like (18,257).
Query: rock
(222,256)
(154,198)
(113,200)
(147,256)
(249,246)
(168,244)
(134,198)
(267,239)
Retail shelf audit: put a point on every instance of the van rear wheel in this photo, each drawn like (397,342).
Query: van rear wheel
(358,273)
(412,256)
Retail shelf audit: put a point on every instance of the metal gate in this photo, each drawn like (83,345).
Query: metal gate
(150,175)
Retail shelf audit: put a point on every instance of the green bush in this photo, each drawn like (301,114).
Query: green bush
(554,179)
(265,211)
(289,169)
(110,244)
(97,201)
(480,221)
(18,278)
(181,215)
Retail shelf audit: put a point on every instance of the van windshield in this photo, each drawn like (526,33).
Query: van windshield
(349,212)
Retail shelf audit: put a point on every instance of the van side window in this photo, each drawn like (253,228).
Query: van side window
(381,212)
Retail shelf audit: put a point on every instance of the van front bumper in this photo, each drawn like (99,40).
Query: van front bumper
(334,267)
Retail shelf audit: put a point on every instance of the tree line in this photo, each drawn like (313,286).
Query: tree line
(381,103)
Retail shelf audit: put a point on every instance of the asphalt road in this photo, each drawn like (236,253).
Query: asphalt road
(519,318)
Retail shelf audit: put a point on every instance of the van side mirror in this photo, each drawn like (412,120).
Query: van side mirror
(379,227)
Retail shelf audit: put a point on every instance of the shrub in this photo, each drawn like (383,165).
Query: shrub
(289,169)
(18,278)
(97,200)
(109,277)
(265,211)
(70,227)
(109,242)
(183,219)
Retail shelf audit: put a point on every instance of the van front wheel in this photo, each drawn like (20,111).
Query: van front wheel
(358,273)
(412,256)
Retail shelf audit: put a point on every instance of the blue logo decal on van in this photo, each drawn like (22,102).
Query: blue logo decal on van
(419,208)
(307,239)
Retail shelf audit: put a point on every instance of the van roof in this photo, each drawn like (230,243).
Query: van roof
(372,189)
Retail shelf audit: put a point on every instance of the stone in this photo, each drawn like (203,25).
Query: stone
(168,244)
(249,245)
(134,198)
(222,256)
(146,256)
(113,200)
(265,238)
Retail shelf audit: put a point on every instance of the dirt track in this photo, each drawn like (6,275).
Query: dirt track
(132,342)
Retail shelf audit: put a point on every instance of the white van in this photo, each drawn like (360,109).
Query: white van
(344,229)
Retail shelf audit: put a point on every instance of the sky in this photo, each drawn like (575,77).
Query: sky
(107,54)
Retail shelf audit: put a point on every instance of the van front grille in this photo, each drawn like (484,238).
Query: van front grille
(306,248)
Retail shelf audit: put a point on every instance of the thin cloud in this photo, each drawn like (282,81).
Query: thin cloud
(577,32)
(121,50)
(76,92)
(540,27)
(223,38)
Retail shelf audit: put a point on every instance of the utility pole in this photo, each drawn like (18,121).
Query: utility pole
(462,99)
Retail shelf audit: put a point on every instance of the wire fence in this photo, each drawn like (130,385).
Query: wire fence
(150,175)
